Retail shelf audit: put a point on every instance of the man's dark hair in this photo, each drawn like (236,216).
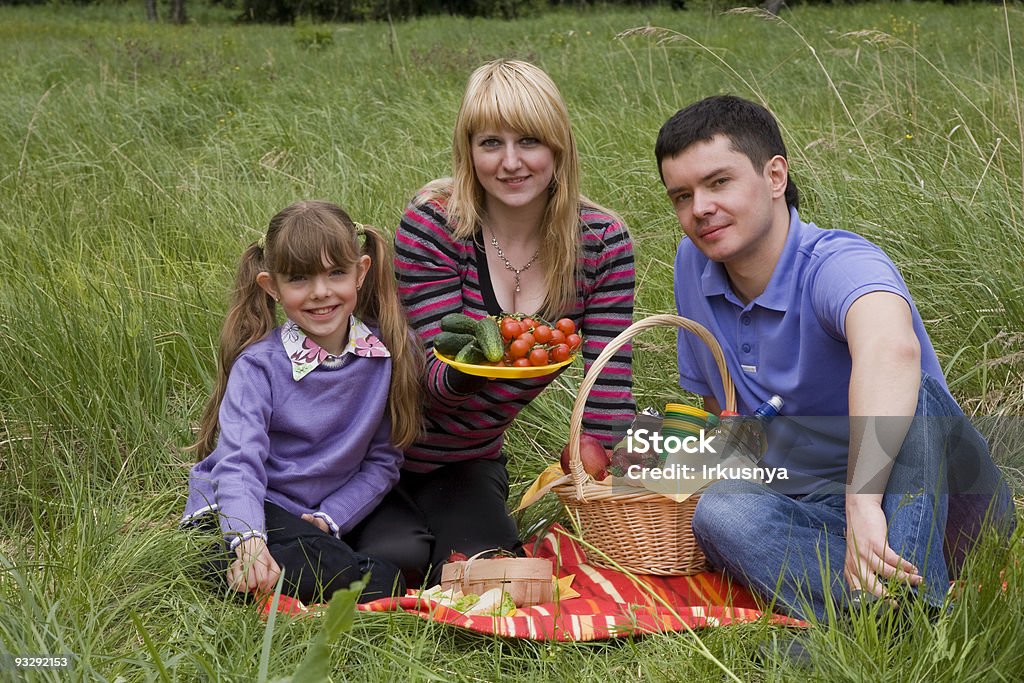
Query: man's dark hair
(750,128)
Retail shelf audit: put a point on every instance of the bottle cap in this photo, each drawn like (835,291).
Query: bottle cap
(770,408)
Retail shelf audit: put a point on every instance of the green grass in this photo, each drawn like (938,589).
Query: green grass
(136,160)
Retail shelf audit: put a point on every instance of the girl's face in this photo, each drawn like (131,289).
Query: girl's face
(320,303)
(514,169)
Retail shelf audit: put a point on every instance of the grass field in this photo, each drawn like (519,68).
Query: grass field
(136,160)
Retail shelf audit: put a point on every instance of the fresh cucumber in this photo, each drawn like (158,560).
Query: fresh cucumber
(488,337)
(450,343)
(471,354)
(459,323)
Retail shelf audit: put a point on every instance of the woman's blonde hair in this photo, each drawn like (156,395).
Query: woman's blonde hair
(519,96)
(298,240)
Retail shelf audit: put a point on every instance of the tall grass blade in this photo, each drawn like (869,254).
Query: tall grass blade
(341,611)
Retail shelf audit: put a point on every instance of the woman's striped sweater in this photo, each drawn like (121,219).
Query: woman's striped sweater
(466,416)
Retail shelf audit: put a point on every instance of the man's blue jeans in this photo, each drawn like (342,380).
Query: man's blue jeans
(942,486)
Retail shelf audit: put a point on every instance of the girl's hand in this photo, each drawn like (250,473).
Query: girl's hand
(317,522)
(255,570)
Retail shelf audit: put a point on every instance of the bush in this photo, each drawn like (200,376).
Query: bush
(286,11)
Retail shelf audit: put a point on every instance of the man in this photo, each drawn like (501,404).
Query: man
(887,479)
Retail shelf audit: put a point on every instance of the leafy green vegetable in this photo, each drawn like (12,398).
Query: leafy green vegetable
(466,602)
(507,606)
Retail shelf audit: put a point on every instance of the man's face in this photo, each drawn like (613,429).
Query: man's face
(724,204)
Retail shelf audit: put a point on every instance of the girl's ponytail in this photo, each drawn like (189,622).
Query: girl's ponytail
(379,302)
(249,319)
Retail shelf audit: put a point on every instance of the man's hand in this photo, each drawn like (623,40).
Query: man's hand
(255,570)
(318,522)
(869,559)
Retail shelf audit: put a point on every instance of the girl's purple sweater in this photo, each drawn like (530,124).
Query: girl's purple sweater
(318,445)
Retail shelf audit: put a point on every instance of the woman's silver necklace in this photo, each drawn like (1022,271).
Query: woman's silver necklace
(508,264)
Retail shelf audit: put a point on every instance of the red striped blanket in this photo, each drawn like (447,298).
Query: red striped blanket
(611,604)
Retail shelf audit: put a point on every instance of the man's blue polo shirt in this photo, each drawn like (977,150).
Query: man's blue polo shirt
(790,340)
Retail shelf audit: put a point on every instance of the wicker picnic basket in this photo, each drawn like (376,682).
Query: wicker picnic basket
(635,529)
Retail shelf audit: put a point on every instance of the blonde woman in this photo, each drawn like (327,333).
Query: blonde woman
(509,231)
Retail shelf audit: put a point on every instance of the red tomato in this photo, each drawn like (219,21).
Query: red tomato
(527,339)
(542,333)
(573,340)
(528,324)
(518,349)
(539,357)
(510,329)
(521,363)
(566,325)
(560,353)
(557,337)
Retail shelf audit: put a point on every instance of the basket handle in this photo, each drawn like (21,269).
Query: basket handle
(576,471)
(468,563)
(464,584)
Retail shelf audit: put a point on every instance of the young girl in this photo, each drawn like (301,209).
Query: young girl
(312,415)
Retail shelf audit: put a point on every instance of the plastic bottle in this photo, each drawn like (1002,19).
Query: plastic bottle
(746,435)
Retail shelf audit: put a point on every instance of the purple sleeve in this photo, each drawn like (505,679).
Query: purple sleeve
(691,370)
(239,475)
(842,277)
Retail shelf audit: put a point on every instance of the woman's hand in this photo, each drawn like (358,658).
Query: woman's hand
(868,555)
(318,522)
(255,570)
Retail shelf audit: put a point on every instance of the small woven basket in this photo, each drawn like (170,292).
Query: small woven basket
(526,579)
(635,529)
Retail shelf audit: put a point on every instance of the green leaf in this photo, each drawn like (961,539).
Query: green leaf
(150,646)
(341,612)
(268,632)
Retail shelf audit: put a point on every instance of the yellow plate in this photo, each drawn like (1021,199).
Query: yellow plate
(503,371)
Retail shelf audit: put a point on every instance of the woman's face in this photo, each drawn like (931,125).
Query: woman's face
(514,169)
